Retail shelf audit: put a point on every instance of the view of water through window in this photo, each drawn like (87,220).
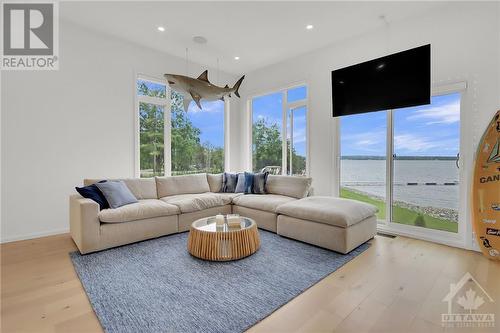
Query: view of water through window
(425,186)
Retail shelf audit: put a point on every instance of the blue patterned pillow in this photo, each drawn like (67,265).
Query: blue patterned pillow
(249,182)
(229,181)
(240,185)
(259,183)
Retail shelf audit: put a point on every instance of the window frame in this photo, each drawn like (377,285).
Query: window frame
(167,114)
(284,122)
(388,226)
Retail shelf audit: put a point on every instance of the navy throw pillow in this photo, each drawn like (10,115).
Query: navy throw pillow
(229,181)
(249,182)
(92,192)
(259,183)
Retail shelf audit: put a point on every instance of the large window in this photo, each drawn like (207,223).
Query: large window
(197,137)
(152,100)
(279,132)
(422,186)
(267,142)
(175,141)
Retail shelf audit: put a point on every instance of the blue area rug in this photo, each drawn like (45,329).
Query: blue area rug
(157,286)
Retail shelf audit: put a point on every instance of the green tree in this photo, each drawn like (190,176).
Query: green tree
(420,221)
(267,147)
(267,144)
(298,161)
(151,123)
(189,155)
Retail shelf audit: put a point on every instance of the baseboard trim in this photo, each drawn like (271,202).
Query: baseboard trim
(34,235)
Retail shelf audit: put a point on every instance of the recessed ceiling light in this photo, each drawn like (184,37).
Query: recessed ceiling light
(236,58)
(309,26)
(199,40)
(160,28)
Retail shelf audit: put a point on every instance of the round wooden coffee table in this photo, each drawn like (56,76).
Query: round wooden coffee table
(208,241)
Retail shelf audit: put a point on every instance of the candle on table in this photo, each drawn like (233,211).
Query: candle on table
(219,219)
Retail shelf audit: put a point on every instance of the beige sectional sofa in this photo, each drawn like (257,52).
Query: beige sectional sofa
(168,205)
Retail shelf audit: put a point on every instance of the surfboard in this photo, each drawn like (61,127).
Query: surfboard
(486,191)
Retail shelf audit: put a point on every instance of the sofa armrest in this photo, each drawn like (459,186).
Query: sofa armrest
(84,223)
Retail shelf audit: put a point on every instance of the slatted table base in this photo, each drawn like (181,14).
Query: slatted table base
(223,246)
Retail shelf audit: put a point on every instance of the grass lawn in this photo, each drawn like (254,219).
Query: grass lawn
(403,215)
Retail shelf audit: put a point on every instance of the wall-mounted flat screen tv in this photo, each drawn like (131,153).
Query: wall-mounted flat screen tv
(395,81)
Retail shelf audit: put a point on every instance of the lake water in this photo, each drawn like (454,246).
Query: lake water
(369,177)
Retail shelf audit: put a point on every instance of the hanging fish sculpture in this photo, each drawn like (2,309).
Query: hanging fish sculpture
(200,88)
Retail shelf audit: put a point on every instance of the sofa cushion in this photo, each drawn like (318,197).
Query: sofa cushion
(186,184)
(230,196)
(292,186)
(143,209)
(215,182)
(329,210)
(188,203)
(265,202)
(142,188)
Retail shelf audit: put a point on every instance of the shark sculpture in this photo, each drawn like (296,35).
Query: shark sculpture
(200,88)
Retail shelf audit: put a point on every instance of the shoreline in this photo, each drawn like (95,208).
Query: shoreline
(447,214)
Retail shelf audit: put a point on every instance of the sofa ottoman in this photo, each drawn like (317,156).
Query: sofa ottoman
(334,223)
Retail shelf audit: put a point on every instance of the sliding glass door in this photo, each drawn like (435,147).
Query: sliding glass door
(425,182)
(413,180)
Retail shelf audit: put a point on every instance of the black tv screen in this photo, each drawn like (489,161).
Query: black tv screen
(395,81)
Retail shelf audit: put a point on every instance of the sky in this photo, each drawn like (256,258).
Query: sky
(269,107)
(427,130)
(210,120)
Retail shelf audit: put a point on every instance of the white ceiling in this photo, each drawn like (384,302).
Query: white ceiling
(260,33)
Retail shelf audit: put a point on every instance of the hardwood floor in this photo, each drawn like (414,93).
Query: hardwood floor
(397,285)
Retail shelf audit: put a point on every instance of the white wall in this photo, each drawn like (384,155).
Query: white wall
(464,38)
(59,127)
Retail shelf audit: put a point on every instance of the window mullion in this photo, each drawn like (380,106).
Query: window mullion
(389,166)
(291,142)
(284,134)
(153,100)
(167,132)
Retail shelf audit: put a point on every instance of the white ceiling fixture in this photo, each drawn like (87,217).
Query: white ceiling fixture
(200,40)
(232,29)
(309,27)
(236,58)
(160,28)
